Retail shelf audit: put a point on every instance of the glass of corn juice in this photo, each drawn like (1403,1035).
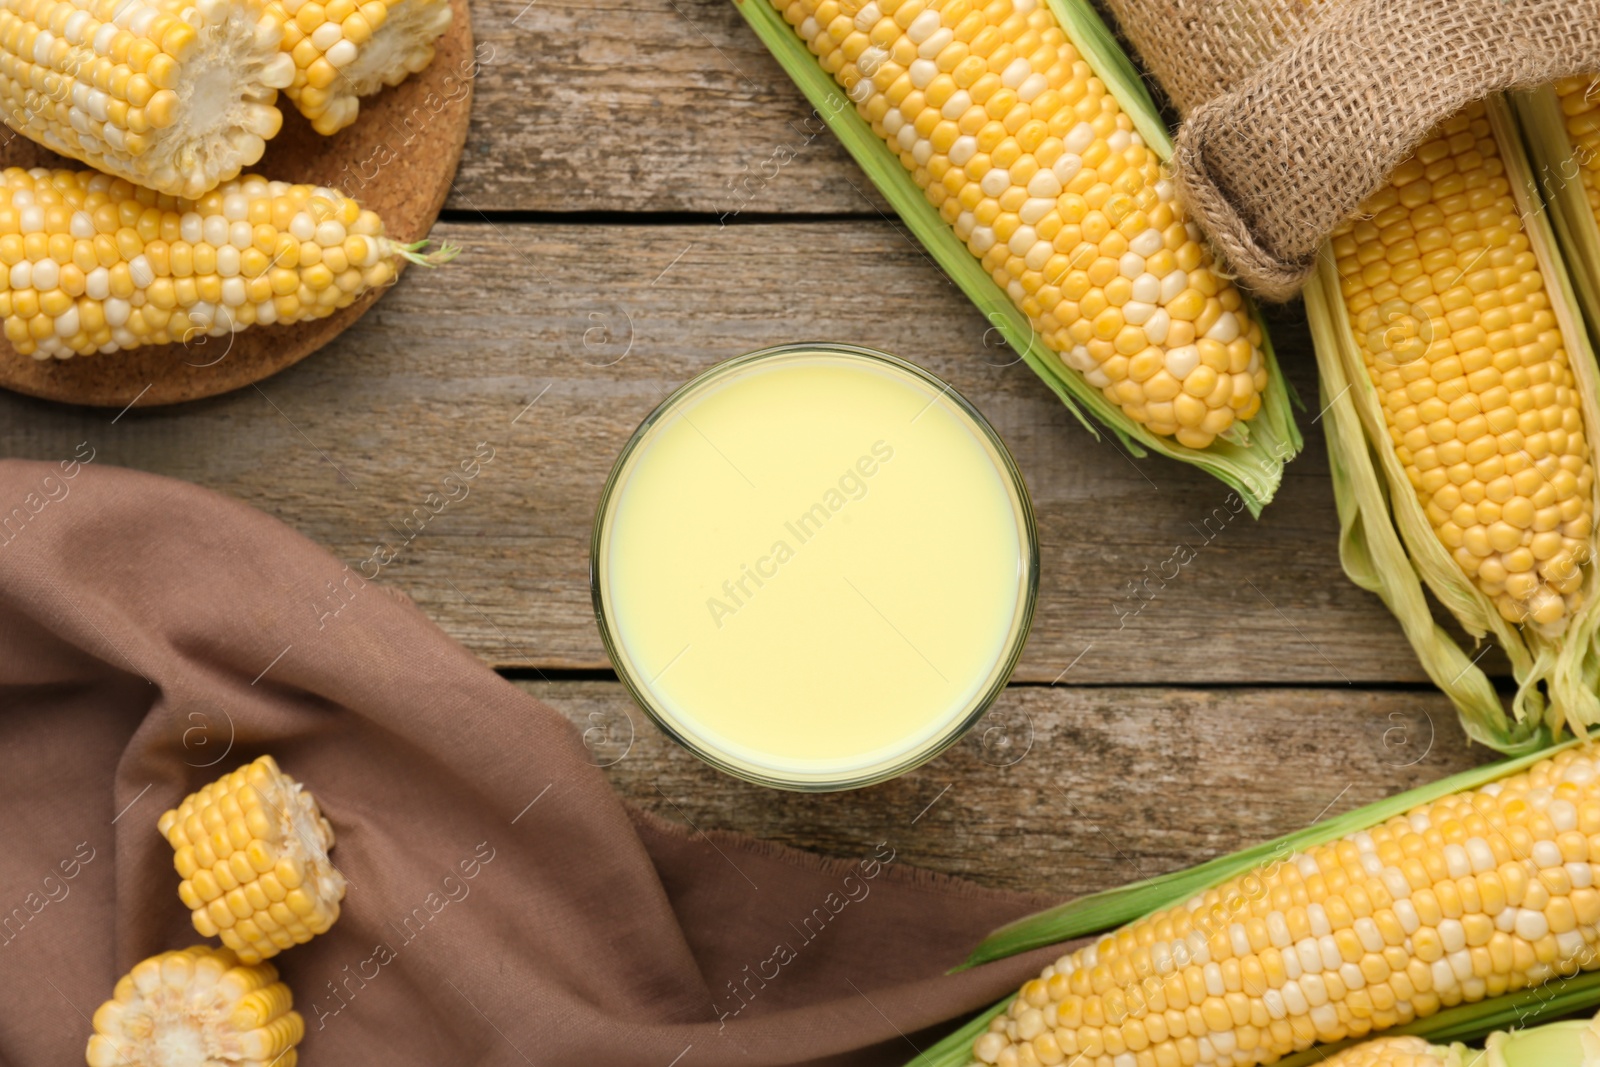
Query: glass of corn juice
(814,566)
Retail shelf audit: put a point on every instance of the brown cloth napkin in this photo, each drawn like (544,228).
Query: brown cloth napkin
(504,908)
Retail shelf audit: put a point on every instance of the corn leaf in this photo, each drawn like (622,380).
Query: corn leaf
(955,1050)
(1116,907)
(1556,166)
(1252,465)
(1370,546)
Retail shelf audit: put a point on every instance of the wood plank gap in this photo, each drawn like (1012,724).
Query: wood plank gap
(1504,685)
(473,216)
(555,674)
(579,674)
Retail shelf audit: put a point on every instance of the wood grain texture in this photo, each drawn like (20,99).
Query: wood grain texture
(592,325)
(398,159)
(666,105)
(1065,790)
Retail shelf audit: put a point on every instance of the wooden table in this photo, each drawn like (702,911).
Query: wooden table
(640,198)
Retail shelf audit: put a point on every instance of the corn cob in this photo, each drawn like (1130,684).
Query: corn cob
(1469,896)
(97,265)
(1561,123)
(1563,1044)
(252,849)
(1395,1052)
(344,50)
(1452,313)
(197,1006)
(1580,110)
(164,93)
(1010,134)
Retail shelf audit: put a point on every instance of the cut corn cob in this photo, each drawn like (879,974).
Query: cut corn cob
(168,94)
(252,849)
(344,50)
(197,1006)
(1453,317)
(97,265)
(1012,136)
(1466,897)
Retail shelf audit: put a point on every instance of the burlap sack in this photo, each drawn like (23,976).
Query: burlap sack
(1296,110)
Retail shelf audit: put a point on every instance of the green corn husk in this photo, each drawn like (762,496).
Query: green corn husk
(955,1049)
(1388,547)
(1252,463)
(1111,909)
(1554,159)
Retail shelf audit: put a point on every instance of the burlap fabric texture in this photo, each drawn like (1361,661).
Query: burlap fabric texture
(1296,110)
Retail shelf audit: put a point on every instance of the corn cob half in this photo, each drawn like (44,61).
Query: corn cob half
(252,849)
(165,93)
(344,50)
(197,1006)
(94,264)
(1016,141)
(1469,896)
(1461,392)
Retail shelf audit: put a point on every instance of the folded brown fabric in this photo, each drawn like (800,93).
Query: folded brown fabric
(504,906)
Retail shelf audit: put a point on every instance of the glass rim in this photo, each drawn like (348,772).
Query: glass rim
(1021,620)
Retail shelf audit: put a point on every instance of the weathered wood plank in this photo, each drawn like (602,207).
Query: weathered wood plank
(591,326)
(1066,790)
(669,105)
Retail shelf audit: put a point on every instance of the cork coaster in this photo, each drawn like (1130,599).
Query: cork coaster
(398,159)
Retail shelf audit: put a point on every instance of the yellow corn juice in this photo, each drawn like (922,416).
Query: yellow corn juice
(814,566)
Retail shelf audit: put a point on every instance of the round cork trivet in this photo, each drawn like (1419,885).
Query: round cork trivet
(398,159)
